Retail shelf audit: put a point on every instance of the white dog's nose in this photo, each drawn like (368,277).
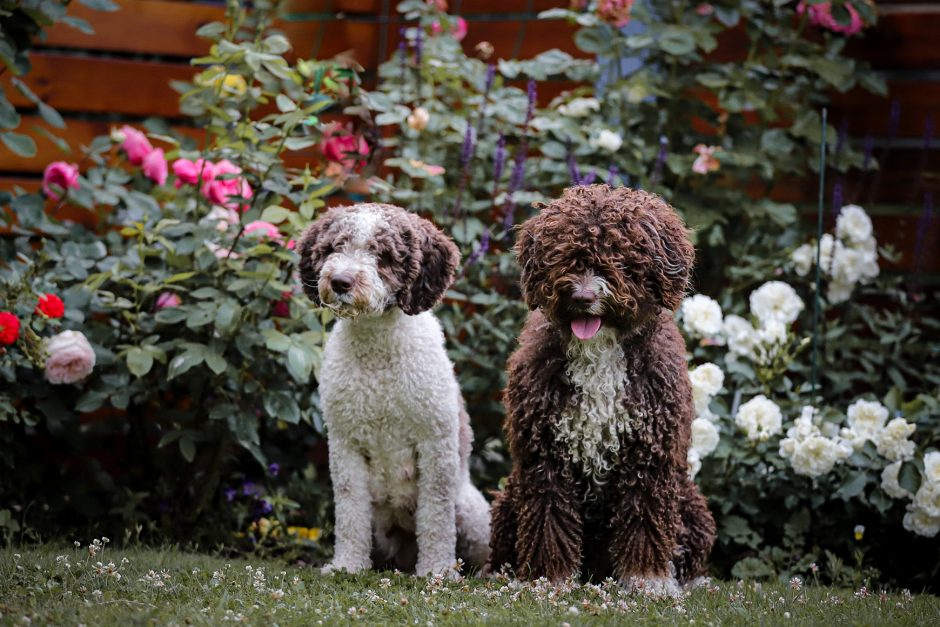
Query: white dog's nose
(341,283)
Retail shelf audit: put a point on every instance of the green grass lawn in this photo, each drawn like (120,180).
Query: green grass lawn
(67,586)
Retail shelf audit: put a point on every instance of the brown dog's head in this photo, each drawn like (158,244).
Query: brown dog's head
(365,259)
(604,256)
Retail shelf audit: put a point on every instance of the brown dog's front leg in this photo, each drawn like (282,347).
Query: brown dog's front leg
(645,529)
(549,525)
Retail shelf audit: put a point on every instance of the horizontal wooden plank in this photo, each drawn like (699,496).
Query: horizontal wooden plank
(169,28)
(72,83)
(905,37)
(868,114)
(455,7)
(80,132)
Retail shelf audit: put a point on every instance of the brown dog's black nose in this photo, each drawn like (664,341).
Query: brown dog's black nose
(584,297)
(341,283)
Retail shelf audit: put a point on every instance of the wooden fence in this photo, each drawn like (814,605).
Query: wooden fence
(122,72)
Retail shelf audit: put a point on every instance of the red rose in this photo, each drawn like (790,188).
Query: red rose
(9,328)
(50,306)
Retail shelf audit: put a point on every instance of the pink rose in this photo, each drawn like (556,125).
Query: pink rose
(281,308)
(220,190)
(188,172)
(154,166)
(821,15)
(168,300)
(706,161)
(615,12)
(264,230)
(704,9)
(135,144)
(346,150)
(458,32)
(440,5)
(70,358)
(61,174)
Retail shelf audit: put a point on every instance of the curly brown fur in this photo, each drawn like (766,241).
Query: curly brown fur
(620,259)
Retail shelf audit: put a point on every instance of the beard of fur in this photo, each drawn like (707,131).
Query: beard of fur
(369,296)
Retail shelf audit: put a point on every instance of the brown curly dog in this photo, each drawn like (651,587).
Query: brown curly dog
(599,403)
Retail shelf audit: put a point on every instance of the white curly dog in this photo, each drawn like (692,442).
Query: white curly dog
(399,436)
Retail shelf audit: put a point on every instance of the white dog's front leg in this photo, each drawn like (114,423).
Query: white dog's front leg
(350,475)
(435,520)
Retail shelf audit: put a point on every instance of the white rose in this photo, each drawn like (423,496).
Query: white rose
(701,316)
(889,482)
(695,463)
(839,292)
(927,498)
(760,418)
(803,259)
(70,357)
(847,263)
(741,336)
(932,467)
(418,119)
(866,419)
(826,244)
(607,140)
(892,441)
(772,332)
(920,522)
(579,107)
(775,300)
(815,456)
(704,436)
(853,224)
(709,377)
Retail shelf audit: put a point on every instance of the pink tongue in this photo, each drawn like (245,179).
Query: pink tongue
(585,328)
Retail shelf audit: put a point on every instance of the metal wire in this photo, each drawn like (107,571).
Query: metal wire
(819,233)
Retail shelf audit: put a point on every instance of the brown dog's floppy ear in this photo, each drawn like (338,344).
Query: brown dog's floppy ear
(313,249)
(437,258)
(526,250)
(671,256)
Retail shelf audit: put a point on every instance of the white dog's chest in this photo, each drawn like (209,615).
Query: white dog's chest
(592,423)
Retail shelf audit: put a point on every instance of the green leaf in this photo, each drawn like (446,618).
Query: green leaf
(282,406)
(285,104)
(182,276)
(909,477)
(677,41)
(183,363)
(187,449)
(853,486)
(171,315)
(216,362)
(100,5)
(299,143)
(275,341)
(139,361)
(299,363)
(227,315)
(21,145)
(275,214)
(199,318)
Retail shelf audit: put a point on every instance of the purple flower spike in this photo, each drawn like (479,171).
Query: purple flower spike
(274,468)
(837,198)
(530,90)
(841,136)
(419,45)
(868,150)
(587,179)
(230,494)
(923,227)
(466,151)
(518,170)
(490,76)
(612,175)
(573,169)
(499,158)
(660,158)
(894,118)
(481,250)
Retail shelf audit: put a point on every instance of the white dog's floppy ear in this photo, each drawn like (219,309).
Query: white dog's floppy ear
(315,246)
(437,258)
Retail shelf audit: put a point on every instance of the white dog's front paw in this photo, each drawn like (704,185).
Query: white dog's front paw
(337,566)
(654,587)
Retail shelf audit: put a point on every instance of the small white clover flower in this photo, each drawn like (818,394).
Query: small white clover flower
(760,418)
(607,140)
(776,300)
(853,224)
(889,482)
(892,442)
(704,436)
(701,316)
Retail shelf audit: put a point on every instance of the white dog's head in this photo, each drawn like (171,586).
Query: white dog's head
(365,259)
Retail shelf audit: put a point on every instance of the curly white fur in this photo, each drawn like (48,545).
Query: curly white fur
(392,406)
(595,418)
